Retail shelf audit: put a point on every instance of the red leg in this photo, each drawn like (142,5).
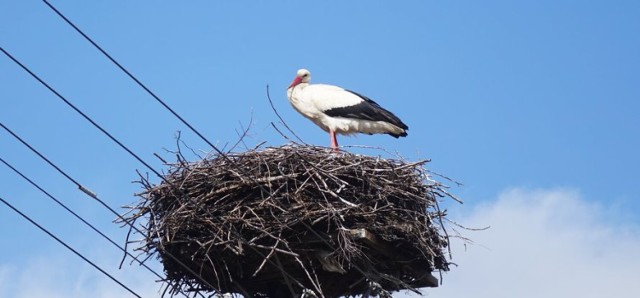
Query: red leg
(334,141)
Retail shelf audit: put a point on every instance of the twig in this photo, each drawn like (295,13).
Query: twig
(244,133)
(280,117)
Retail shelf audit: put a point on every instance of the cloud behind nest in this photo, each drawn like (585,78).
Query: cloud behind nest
(545,243)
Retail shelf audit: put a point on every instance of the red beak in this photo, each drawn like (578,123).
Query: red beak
(296,81)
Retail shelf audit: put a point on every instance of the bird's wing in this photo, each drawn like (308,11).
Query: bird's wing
(327,97)
(365,109)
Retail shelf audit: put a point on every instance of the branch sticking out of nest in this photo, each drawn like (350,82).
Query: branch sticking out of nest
(277,221)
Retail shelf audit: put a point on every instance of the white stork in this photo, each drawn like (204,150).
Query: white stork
(340,111)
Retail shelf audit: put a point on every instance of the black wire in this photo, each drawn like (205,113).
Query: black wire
(38,153)
(34,150)
(77,216)
(68,247)
(131,76)
(45,159)
(79,112)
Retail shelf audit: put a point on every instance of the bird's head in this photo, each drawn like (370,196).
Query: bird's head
(303,76)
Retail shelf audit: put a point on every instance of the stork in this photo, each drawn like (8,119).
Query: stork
(341,111)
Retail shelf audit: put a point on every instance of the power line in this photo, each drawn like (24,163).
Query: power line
(79,111)
(82,188)
(77,216)
(63,173)
(68,247)
(131,76)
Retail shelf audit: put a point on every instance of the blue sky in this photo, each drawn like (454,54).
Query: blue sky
(529,101)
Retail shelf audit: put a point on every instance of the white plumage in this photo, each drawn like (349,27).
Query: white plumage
(340,111)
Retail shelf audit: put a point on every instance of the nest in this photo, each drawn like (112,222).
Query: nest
(281,221)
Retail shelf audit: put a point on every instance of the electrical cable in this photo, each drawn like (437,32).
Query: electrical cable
(19,173)
(79,111)
(68,247)
(131,76)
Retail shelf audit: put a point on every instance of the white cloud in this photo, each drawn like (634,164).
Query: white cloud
(544,243)
(4,279)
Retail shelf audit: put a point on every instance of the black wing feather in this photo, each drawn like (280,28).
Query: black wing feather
(366,110)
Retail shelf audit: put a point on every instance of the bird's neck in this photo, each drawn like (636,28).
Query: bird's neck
(296,89)
(299,86)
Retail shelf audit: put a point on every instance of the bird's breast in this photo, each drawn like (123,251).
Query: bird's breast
(303,104)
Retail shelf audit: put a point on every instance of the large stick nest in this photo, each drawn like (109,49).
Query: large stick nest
(277,221)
